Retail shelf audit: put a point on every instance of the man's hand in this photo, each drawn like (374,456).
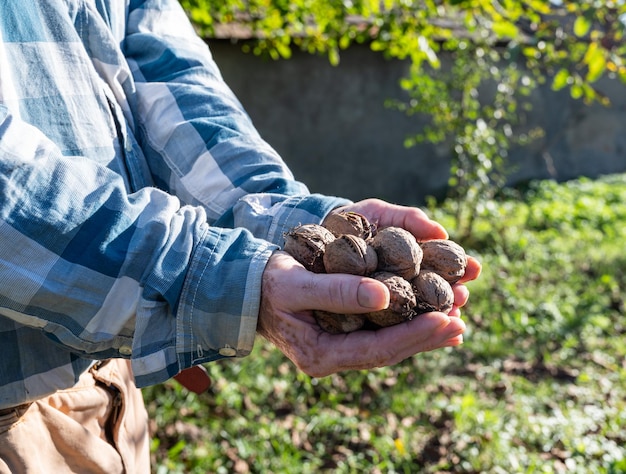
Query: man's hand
(290,292)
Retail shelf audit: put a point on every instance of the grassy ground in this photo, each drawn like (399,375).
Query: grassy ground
(538,387)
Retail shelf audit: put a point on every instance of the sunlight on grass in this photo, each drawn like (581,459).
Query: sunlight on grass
(538,387)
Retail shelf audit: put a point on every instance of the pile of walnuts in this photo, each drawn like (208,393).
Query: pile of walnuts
(419,275)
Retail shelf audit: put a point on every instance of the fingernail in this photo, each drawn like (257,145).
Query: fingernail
(443,229)
(369,295)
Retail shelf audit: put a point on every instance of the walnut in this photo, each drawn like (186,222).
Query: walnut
(350,254)
(432,293)
(307,243)
(398,252)
(349,222)
(335,323)
(401,303)
(445,257)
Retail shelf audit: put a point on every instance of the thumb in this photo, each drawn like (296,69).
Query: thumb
(341,293)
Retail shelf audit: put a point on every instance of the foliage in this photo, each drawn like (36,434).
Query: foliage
(473,63)
(538,387)
(476,121)
(581,39)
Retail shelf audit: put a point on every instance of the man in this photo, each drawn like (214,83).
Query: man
(140,219)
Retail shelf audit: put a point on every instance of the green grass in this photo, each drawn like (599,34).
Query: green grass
(539,386)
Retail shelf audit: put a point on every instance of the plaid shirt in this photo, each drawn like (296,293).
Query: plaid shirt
(138,204)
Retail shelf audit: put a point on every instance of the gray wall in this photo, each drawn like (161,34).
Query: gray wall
(331,126)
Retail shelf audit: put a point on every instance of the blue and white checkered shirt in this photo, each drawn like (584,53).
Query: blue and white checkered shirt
(138,204)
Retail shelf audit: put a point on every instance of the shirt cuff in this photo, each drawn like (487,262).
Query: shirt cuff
(219,306)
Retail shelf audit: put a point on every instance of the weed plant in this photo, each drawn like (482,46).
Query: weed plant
(539,386)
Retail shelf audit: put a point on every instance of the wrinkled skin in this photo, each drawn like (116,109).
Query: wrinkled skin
(289,293)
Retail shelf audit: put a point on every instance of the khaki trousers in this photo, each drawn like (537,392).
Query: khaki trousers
(98,426)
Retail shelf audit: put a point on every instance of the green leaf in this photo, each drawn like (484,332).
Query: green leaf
(576,91)
(589,92)
(175,450)
(581,26)
(505,29)
(561,80)
(596,62)
(333,56)
(596,68)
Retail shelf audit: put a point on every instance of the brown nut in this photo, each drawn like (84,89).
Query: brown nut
(432,293)
(349,222)
(306,243)
(445,257)
(401,303)
(349,254)
(335,323)
(398,252)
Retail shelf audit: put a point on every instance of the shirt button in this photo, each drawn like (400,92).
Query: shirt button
(125,350)
(227,351)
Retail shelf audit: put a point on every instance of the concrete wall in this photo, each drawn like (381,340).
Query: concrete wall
(331,126)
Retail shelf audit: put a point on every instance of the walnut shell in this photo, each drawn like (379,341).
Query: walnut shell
(349,222)
(445,257)
(398,252)
(307,243)
(350,254)
(401,303)
(335,323)
(432,293)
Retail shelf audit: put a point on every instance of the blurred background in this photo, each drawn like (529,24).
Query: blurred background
(334,127)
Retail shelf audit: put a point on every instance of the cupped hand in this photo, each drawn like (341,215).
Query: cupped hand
(290,293)
(285,319)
